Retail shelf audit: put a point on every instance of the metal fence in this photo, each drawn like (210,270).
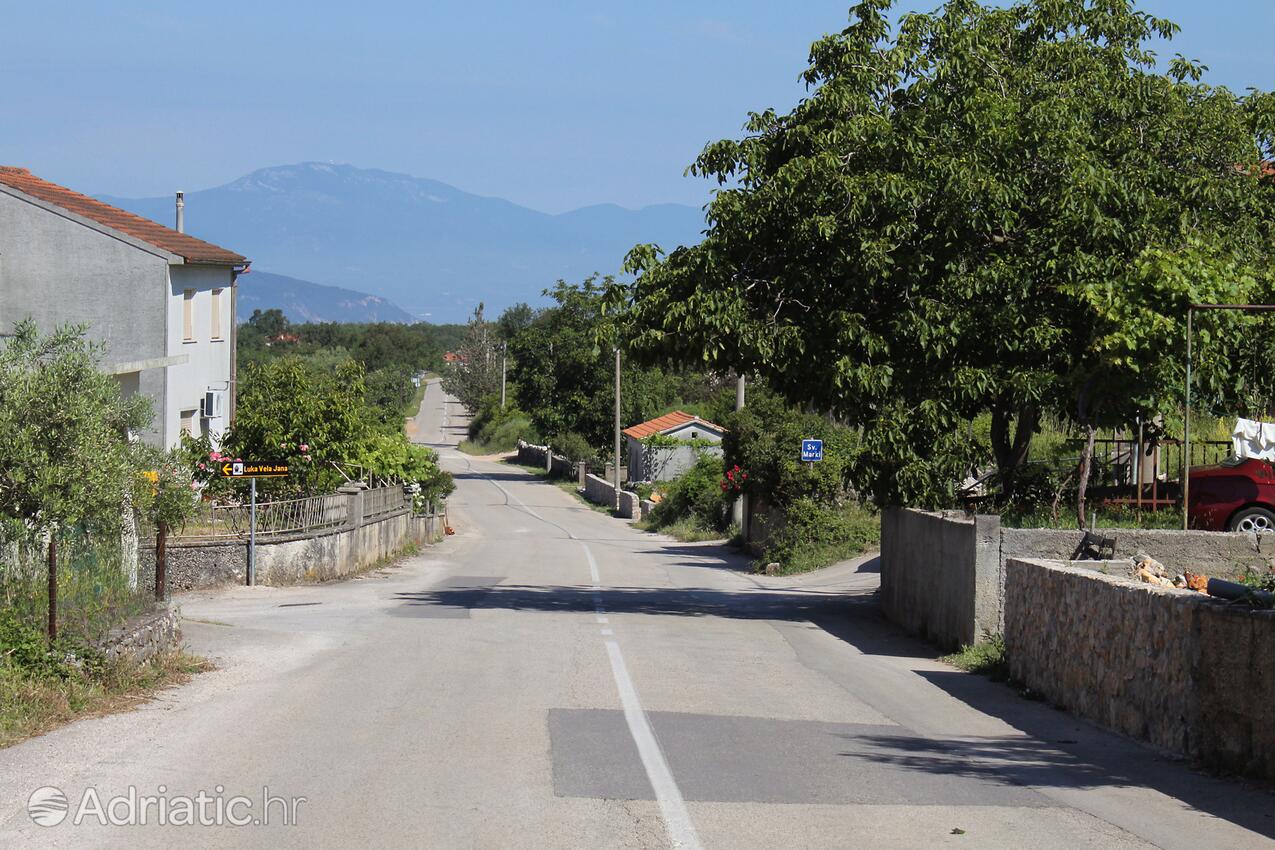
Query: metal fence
(292,516)
(383,501)
(312,515)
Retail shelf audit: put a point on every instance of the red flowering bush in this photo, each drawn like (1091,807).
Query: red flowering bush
(734,480)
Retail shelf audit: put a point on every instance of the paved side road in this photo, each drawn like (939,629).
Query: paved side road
(551,678)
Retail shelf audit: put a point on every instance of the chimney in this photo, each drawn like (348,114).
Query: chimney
(181,211)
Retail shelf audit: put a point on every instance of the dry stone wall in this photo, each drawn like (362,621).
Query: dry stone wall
(142,638)
(1186,672)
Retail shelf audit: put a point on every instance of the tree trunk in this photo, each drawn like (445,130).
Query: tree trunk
(53,587)
(161,561)
(1012,452)
(1086,461)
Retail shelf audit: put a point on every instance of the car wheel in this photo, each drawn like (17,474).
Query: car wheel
(1256,520)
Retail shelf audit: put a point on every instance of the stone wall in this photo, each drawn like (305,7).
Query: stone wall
(1186,672)
(544,458)
(529,455)
(940,575)
(142,638)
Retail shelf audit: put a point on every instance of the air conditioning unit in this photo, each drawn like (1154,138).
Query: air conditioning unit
(212,405)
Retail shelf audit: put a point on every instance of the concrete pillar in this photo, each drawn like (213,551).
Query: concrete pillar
(354,494)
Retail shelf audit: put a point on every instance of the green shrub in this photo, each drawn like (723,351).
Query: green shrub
(696,496)
(764,440)
(24,647)
(814,535)
(574,447)
(495,430)
(504,435)
(987,659)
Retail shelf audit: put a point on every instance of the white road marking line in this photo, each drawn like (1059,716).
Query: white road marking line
(593,565)
(602,619)
(677,820)
(607,632)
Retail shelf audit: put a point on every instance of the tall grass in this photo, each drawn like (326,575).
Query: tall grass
(95,590)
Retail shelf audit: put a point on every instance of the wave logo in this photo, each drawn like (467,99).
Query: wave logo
(47,806)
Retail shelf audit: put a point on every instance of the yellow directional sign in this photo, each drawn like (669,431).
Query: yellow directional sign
(252,469)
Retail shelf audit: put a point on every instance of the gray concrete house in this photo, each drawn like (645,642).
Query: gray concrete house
(161,302)
(664,463)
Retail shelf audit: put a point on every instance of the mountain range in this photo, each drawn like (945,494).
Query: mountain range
(431,248)
(303,301)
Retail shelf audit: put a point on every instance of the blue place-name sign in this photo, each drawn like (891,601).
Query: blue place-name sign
(811,451)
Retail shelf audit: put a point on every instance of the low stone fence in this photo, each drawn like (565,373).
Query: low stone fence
(298,558)
(544,458)
(142,638)
(601,492)
(1184,671)
(943,574)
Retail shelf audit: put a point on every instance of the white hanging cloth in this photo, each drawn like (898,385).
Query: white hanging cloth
(1253,439)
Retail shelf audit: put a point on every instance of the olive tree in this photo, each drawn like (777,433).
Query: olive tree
(65,447)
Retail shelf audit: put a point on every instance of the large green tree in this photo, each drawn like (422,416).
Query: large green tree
(963,216)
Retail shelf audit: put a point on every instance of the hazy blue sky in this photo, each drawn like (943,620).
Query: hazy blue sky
(553,105)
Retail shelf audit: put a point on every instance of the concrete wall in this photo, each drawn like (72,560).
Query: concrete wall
(941,575)
(664,463)
(293,560)
(1181,670)
(1211,553)
(600,492)
(929,586)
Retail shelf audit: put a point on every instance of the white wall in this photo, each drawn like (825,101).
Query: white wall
(208,359)
(694,431)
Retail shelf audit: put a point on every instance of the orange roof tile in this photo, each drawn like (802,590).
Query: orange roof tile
(187,247)
(667,422)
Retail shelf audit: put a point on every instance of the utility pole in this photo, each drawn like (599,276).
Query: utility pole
(504,353)
(737,510)
(615,475)
(252,532)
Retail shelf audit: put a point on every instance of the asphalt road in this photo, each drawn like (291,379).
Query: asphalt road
(551,678)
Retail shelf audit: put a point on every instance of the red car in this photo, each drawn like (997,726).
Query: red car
(1236,495)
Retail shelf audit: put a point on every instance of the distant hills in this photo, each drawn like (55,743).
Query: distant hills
(303,301)
(427,246)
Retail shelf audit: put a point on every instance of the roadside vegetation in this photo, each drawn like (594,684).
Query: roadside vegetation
(73,483)
(985,659)
(45,685)
(495,431)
